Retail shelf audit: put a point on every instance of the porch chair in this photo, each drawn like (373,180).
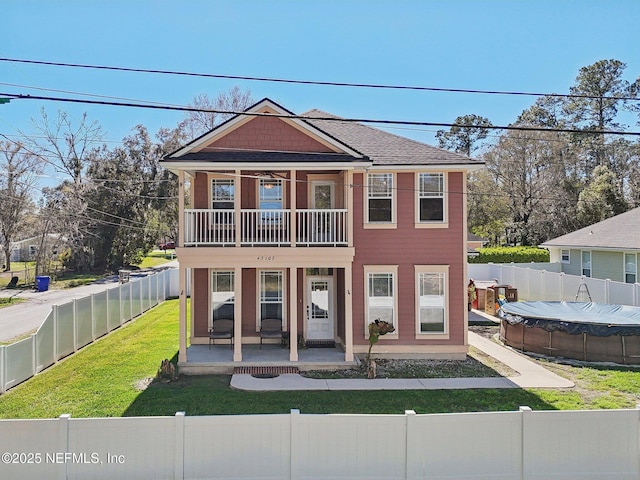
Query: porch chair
(221,329)
(270,328)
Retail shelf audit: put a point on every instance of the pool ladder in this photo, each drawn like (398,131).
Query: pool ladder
(584,289)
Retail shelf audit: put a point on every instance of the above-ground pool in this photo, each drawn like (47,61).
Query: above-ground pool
(592,332)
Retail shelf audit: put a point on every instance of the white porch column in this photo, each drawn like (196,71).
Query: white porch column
(348,189)
(182,322)
(181,210)
(294,215)
(348,313)
(237,206)
(237,314)
(293,314)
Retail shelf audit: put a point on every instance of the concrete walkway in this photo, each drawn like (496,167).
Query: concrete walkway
(531,375)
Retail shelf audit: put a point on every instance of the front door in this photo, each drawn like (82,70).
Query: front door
(319,308)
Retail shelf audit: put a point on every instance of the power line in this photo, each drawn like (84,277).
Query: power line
(303,117)
(311,82)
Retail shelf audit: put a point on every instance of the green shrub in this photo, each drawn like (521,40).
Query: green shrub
(511,254)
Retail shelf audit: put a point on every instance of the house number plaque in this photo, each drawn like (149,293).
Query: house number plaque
(266,258)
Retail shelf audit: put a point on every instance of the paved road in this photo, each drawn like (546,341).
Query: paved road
(25,317)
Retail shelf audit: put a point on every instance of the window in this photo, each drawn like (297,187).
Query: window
(586,263)
(380,295)
(380,198)
(222,295)
(431,293)
(271,194)
(222,194)
(271,294)
(630,267)
(431,197)
(565,256)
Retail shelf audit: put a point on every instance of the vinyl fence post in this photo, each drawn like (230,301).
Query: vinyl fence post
(62,445)
(3,365)
(294,444)
(178,472)
(410,440)
(75,326)
(524,411)
(93,317)
(34,354)
(55,334)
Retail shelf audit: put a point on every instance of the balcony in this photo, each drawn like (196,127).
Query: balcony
(207,227)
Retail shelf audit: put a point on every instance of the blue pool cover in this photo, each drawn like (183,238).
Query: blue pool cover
(599,319)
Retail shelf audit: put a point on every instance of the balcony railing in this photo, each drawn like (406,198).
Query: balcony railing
(207,227)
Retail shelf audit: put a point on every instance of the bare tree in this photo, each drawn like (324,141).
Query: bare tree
(69,146)
(198,123)
(18,175)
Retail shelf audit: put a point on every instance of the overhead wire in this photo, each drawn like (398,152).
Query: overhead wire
(308,82)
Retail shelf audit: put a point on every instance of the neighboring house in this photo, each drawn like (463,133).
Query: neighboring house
(26,250)
(325,225)
(607,249)
(474,244)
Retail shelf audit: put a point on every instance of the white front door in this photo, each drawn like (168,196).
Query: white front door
(319,308)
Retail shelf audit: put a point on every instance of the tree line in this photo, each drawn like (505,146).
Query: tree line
(113,204)
(539,185)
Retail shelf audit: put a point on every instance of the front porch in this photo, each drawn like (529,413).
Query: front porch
(219,358)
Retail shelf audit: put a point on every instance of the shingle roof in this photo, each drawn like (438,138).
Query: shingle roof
(620,232)
(385,148)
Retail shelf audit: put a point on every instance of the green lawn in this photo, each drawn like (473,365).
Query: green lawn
(108,377)
(157,257)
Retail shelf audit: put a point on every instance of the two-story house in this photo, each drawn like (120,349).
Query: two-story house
(325,225)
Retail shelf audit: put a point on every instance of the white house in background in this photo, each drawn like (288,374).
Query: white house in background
(608,249)
(25,250)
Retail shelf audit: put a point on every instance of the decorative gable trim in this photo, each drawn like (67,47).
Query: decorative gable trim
(265,107)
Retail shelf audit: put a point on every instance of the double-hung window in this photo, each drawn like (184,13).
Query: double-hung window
(381,294)
(222,194)
(271,294)
(380,198)
(431,295)
(565,255)
(431,198)
(271,200)
(630,267)
(586,263)
(222,295)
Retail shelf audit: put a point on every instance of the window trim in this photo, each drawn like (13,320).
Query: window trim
(393,269)
(568,260)
(582,252)
(624,261)
(282,186)
(394,201)
(443,269)
(445,200)
(259,273)
(214,178)
(212,273)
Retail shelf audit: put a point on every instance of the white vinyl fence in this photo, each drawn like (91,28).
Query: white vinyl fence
(538,282)
(72,325)
(520,445)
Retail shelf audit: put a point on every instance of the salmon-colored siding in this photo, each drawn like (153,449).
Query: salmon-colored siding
(262,133)
(407,246)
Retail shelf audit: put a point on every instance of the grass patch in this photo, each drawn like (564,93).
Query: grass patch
(70,279)
(112,378)
(10,301)
(157,257)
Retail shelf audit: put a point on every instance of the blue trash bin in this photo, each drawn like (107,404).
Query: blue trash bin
(42,283)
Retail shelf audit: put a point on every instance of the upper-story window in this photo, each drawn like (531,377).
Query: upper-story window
(586,263)
(222,194)
(431,199)
(380,198)
(630,267)
(271,194)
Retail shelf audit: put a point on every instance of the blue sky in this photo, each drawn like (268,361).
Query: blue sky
(512,45)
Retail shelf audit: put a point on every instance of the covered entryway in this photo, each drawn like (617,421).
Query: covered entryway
(320,308)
